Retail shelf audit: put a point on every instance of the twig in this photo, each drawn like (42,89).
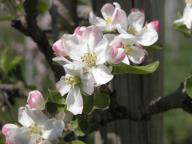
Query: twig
(30,28)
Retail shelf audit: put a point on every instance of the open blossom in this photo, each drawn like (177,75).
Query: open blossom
(186,19)
(36,128)
(144,35)
(35,100)
(125,50)
(73,83)
(112,15)
(91,52)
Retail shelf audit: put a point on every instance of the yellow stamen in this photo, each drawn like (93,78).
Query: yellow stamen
(127,49)
(108,20)
(89,59)
(72,80)
(132,30)
(34,129)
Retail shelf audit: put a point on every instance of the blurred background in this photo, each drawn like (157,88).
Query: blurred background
(23,64)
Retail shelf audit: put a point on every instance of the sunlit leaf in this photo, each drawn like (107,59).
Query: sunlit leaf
(42,6)
(129,69)
(183,29)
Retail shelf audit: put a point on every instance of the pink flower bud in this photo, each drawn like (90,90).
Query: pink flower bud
(35,100)
(116,52)
(58,48)
(154,25)
(7,128)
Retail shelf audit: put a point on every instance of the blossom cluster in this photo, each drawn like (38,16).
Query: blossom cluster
(35,126)
(88,54)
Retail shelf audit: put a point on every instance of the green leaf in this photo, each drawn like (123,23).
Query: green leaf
(76,128)
(42,6)
(101,100)
(77,142)
(153,48)
(128,69)
(4,60)
(87,104)
(188,86)
(54,96)
(16,61)
(183,29)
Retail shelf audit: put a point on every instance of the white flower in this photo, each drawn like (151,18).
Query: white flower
(73,83)
(187,15)
(35,100)
(36,128)
(112,15)
(91,52)
(125,50)
(144,35)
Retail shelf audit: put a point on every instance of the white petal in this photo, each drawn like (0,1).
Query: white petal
(74,68)
(28,117)
(92,36)
(136,55)
(107,10)
(126,60)
(74,101)
(52,129)
(87,83)
(102,75)
(99,22)
(120,17)
(62,87)
(6,129)
(136,19)
(147,37)
(20,136)
(61,60)
(187,16)
(101,51)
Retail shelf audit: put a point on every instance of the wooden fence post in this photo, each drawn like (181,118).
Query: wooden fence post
(136,90)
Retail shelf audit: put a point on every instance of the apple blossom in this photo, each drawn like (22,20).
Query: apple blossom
(91,52)
(35,100)
(144,35)
(36,128)
(112,15)
(186,19)
(73,83)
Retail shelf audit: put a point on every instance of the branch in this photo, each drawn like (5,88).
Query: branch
(31,29)
(177,99)
(18,86)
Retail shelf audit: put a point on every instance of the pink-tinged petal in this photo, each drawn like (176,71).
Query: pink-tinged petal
(120,56)
(137,54)
(92,36)
(147,37)
(7,128)
(35,100)
(58,48)
(136,19)
(107,10)
(79,31)
(120,17)
(154,25)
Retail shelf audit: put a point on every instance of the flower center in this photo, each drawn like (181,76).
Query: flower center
(72,80)
(89,59)
(127,49)
(108,20)
(188,2)
(34,129)
(132,30)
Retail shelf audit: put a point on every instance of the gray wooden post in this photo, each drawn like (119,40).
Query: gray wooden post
(136,90)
